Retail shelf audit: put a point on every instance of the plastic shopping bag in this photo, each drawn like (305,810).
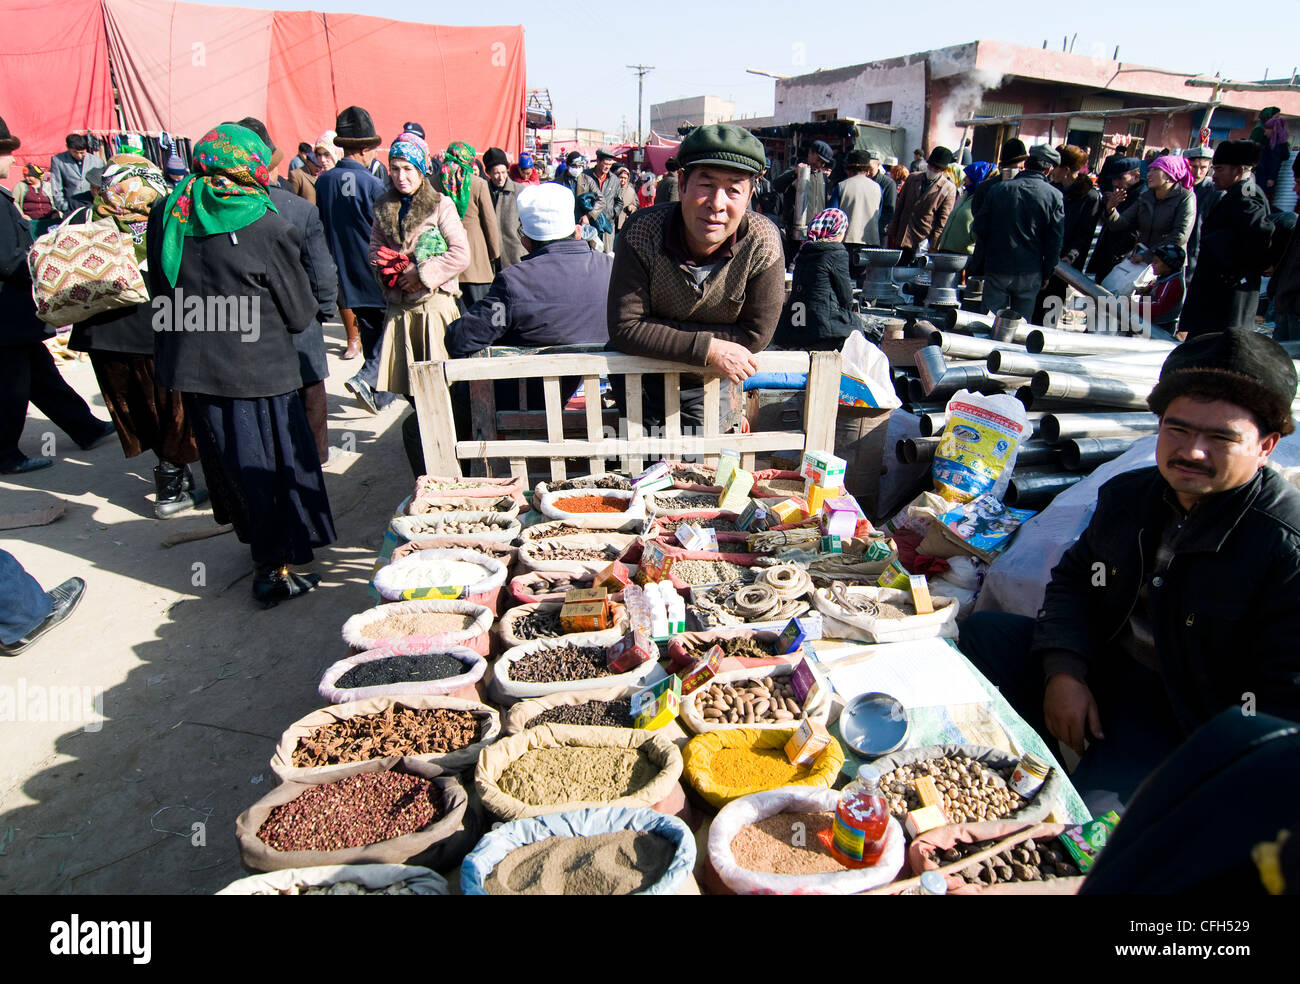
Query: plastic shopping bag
(865,380)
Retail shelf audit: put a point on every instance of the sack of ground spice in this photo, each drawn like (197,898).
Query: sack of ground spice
(602,851)
(972,780)
(431,488)
(542,621)
(578,555)
(744,649)
(883,615)
(725,765)
(343,879)
(444,575)
(557,767)
(388,811)
(420,626)
(777,843)
(563,665)
(1001,858)
(390,672)
(755,698)
(443,731)
(497,527)
(503,552)
(596,509)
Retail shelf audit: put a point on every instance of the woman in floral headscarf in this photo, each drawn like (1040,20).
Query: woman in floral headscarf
(417,247)
(458,180)
(148,415)
(228,287)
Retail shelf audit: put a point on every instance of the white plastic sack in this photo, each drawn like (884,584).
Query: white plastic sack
(978,448)
(1128,275)
(493,848)
(386,578)
(475,667)
(865,377)
(532,560)
(354,634)
(428,526)
(631,519)
(421,881)
(794,799)
(843,624)
(511,690)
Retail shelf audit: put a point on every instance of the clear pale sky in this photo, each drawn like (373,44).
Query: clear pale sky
(699,47)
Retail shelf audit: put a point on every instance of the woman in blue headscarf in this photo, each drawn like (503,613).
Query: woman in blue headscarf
(958,235)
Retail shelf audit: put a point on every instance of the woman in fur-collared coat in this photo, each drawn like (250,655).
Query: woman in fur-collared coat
(418,248)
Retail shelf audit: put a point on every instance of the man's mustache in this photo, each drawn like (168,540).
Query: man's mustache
(1191,466)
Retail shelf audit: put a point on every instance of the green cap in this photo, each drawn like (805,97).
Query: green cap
(724,145)
(1199,153)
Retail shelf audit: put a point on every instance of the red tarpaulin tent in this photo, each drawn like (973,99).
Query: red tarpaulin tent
(183,67)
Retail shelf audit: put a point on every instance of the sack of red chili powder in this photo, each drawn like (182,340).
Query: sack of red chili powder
(595,509)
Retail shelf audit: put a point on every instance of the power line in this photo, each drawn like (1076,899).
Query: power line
(641,72)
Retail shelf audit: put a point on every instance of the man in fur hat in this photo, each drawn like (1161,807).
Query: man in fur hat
(1236,235)
(1182,597)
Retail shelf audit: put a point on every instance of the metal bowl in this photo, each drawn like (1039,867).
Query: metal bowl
(875,724)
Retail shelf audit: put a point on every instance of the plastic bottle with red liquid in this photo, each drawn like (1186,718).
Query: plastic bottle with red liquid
(861,821)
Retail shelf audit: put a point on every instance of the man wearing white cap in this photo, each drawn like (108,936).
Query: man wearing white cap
(555,295)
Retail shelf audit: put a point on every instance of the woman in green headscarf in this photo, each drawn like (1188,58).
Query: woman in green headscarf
(472,197)
(148,415)
(229,287)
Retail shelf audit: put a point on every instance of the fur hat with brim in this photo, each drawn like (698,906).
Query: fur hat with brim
(8,142)
(493,157)
(939,157)
(355,130)
(1237,153)
(1238,365)
(1013,152)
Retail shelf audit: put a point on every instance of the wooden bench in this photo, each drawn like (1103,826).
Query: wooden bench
(443,453)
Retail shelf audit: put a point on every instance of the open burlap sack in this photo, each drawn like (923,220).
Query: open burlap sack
(719,790)
(658,790)
(375,877)
(551,505)
(843,623)
(489,723)
(817,709)
(506,690)
(505,527)
(503,552)
(440,845)
(475,637)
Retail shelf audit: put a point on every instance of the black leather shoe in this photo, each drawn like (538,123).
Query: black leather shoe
(64,598)
(106,430)
(272,584)
(27,465)
(359,388)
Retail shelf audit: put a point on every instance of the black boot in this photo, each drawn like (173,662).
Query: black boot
(175,492)
(273,584)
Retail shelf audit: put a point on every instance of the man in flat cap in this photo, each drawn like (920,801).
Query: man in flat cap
(702,280)
(1182,597)
(1236,236)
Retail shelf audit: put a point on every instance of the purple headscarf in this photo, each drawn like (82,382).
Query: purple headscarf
(1176,168)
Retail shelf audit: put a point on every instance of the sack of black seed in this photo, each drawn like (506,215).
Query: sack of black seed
(1000,858)
(441,731)
(396,672)
(388,811)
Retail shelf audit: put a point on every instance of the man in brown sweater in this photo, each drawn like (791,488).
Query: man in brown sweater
(702,280)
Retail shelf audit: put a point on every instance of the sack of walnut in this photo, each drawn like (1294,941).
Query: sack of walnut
(839,880)
(755,698)
(420,627)
(1000,858)
(970,778)
(343,879)
(460,733)
(439,844)
(420,682)
(531,765)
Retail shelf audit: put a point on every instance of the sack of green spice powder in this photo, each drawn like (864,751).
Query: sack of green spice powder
(661,753)
(488,721)
(440,845)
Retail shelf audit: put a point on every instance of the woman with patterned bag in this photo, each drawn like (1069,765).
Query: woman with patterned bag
(417,248)
(228,288)
(148,415)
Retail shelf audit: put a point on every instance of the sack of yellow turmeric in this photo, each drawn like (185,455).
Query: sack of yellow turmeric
(725,765)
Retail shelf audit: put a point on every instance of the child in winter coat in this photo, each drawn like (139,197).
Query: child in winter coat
(1167,290)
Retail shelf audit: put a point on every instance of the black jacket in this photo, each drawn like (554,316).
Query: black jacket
(1225,613)
(126,330)
(888,200)
(1082,212)
(1236,244)
(1019,227)
(1206,196)
(818,311)
(251,292)
(18,322)
(321,273)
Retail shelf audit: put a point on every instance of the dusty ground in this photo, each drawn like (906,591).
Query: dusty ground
(197,681)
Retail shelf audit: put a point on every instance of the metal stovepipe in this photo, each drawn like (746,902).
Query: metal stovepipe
(1056,427)
(1082,389)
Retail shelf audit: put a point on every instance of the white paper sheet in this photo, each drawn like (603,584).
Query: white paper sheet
(924,673)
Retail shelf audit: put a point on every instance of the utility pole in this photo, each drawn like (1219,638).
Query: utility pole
(641,72)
